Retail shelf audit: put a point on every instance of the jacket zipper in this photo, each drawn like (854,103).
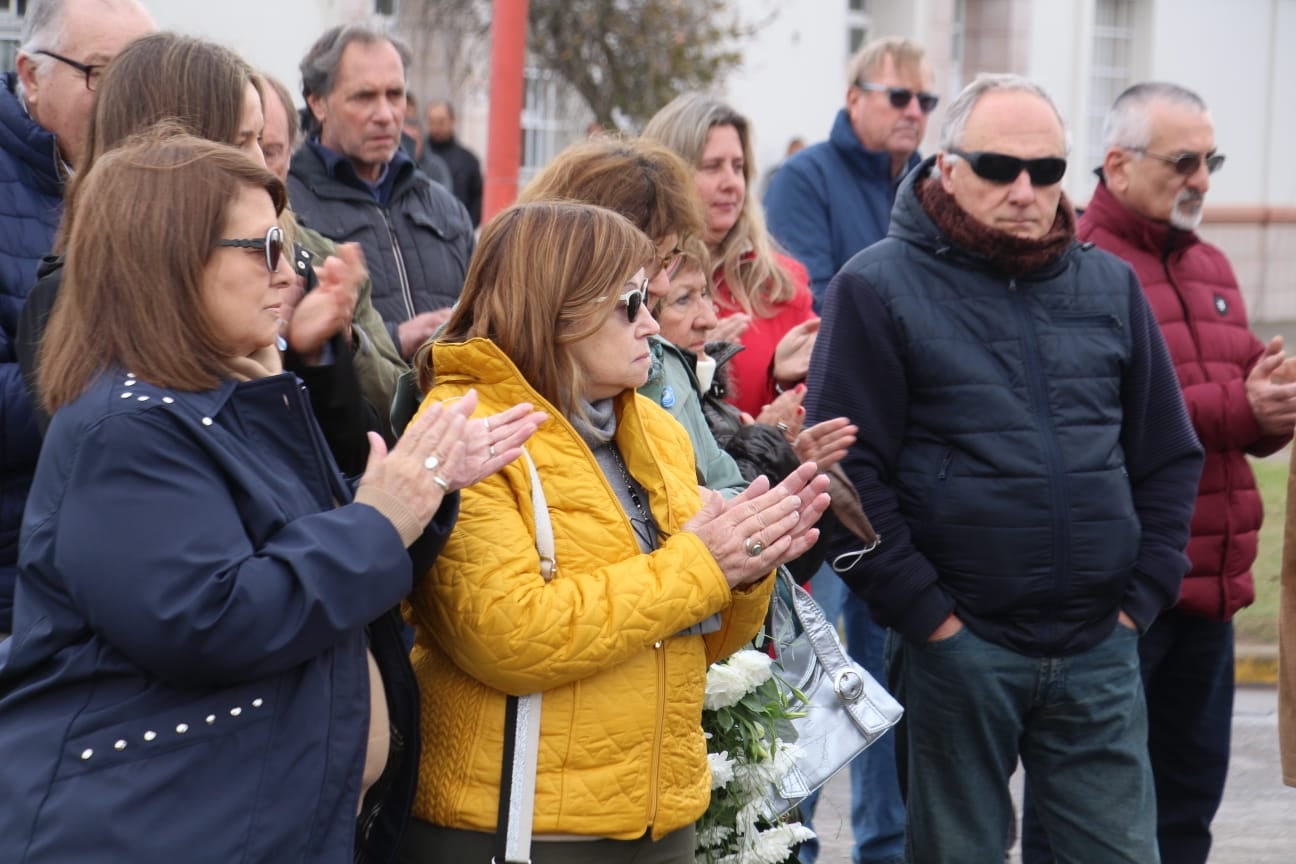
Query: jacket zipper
(400,265)
(654,777)
(1048,438)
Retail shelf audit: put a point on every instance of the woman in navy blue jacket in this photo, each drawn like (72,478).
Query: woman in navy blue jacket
(205,666)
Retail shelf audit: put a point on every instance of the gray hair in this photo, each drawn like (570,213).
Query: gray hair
(320,65)
(951,133)
(1127,124)
(44,31)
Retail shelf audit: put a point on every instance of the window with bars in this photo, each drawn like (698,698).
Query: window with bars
(858,23)
(1110,68)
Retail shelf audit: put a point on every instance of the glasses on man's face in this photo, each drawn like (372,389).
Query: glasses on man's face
(1004,169)
(1186,164)
(900,97)
(272,244)
(634,300)
(91,73)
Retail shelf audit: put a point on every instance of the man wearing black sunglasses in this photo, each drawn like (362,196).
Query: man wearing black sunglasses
(834,198)
(1025,453)
(1160,155)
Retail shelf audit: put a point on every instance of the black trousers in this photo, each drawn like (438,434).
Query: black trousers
(426,843)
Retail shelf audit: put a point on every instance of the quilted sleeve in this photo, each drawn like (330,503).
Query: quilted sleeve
(740,623)
(487,607)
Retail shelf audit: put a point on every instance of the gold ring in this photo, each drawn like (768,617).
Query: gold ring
(754,546)
(441,481)
(432,462)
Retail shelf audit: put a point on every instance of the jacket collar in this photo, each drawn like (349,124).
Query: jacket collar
(872,164)
(27,141)
(1159,238)
(912,224)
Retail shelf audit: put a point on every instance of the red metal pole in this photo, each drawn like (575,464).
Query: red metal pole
(504,133)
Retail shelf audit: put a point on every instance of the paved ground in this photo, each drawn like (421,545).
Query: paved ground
(1256,823)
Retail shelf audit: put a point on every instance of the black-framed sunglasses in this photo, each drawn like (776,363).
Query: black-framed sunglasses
(634,300)
(1186,164)
(91,72)
(900,97)
(272,244)
(1003,169)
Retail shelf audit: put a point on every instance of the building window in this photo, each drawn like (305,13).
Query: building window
(858,24)
(547,115)
(1110,70)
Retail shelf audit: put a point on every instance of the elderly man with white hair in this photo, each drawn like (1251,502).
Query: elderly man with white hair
(44,113)
(1025,453)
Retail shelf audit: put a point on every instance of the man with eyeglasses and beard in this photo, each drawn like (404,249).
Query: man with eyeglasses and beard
(824,204)
(1026,456)
(1160,155)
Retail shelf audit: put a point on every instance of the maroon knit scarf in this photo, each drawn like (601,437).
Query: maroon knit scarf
(1004,252)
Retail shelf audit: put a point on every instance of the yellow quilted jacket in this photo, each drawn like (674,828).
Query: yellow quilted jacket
(621,747)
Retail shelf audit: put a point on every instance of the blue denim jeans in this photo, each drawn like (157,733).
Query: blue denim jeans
(1187,665)
(877,810)
(1079,724)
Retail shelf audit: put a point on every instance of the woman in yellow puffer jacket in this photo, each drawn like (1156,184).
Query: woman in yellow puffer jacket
(651,583)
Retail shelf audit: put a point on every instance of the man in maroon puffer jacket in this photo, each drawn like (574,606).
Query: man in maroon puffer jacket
(1160,155)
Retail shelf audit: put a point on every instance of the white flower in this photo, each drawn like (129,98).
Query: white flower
(775,845)
(722,769)
(728,682)
(714,836)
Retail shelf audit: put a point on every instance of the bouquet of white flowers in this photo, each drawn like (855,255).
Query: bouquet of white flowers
(741,716)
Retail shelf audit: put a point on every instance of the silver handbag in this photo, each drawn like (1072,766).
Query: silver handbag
(844,710)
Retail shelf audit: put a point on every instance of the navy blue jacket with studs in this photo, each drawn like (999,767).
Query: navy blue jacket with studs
(187,679)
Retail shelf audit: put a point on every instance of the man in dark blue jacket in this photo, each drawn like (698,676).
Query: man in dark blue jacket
(44,112)
(834,198)
(826,203)
(1025,454)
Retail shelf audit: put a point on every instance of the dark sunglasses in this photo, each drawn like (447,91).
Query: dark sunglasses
(1002,168)
(901,96)
(91,73)
(1186,164)
(272,244)
(634,300)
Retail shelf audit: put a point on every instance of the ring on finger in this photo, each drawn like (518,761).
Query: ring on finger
(441,481)
(432,462)
(490,448)
(782,427)
(754,546)
(486,423)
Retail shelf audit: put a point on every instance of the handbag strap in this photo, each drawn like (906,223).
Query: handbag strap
(522,720)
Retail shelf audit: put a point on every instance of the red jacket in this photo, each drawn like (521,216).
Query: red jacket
(750,371)
(1195,297)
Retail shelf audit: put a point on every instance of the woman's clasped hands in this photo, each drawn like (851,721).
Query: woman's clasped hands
(442,451)
(763,527)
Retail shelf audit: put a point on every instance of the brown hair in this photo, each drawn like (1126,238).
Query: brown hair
(196,84)
(149,217)
(745,257)
(545,275)
(642,180)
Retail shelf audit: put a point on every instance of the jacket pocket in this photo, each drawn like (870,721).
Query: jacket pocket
(1085,319)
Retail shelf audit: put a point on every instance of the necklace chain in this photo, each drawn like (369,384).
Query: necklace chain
(649,535)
